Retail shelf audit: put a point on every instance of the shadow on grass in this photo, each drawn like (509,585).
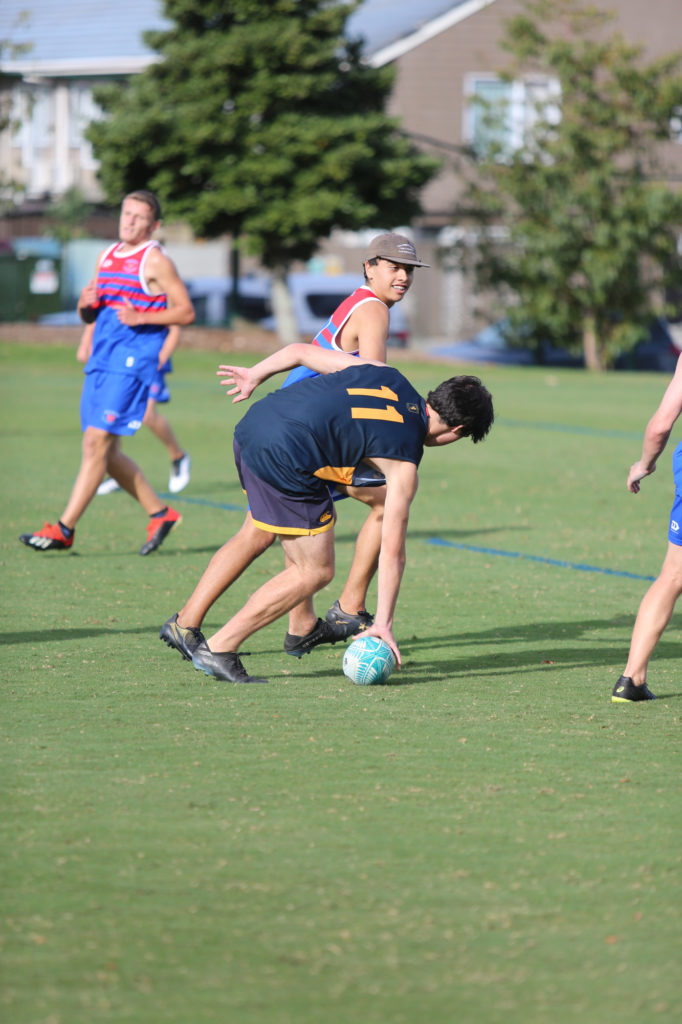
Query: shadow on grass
(535,650)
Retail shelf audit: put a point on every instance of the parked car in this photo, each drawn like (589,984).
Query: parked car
(211,299)
(314,297)
(659,351)
(490,345)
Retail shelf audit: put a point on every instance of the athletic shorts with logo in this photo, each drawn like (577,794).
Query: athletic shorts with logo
(115,402)
(276,512)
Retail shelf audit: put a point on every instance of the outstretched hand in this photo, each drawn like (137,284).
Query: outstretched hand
(239,379)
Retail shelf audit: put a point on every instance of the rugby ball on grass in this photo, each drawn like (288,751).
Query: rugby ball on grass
(368,661)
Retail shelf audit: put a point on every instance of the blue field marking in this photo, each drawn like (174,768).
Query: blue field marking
(203,501)
(567,428)
(578,566)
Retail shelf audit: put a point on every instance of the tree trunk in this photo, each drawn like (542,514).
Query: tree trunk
(593,360)
(283,308)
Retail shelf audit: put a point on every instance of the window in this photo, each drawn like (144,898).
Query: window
(500,116)
(676,125)
(82,110)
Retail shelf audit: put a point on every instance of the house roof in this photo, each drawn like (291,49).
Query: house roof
(393,27)
(91,38)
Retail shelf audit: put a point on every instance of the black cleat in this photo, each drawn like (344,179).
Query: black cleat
(344,624)
(223,665)
(321,633)
(625,691)
(185,639)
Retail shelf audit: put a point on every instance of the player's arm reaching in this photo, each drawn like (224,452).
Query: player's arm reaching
(401,487)
(658,431)
(243,380)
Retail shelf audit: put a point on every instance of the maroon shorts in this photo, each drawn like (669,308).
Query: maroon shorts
(276,512)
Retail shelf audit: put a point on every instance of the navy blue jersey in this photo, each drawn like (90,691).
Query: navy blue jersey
(319,429)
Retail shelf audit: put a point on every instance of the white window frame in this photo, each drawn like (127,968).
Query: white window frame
(527,100)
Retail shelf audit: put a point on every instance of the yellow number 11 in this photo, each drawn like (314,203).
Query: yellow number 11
(366,413)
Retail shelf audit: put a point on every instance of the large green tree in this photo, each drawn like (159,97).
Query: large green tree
(589,223)
(261,121)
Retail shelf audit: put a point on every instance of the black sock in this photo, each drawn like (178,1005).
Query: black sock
(65,530)
(161,514)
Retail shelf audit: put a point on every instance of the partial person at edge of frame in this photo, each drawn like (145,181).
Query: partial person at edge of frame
(658,604)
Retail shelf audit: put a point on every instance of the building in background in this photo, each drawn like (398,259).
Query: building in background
(445,52)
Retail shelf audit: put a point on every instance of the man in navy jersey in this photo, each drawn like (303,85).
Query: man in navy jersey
(295,442)
(360,326)
(135,296)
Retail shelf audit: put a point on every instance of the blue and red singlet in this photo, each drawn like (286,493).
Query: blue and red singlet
(327,335)
(117,348)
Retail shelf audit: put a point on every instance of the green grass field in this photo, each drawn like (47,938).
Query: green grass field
(485,839)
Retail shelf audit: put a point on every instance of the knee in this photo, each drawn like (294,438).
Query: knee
(96,444)
(324,574)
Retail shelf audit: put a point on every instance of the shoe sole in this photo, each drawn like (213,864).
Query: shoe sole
(49,545)
(237,682)
(626,700)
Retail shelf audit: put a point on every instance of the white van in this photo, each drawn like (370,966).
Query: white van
(314,296)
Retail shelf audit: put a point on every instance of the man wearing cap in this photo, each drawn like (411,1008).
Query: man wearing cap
(358,326)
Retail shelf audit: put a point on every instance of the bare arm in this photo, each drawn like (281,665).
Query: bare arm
(170,344)
(658,431)
(161,277)
(243,380)
(84,350)
(88,305)
(367,331)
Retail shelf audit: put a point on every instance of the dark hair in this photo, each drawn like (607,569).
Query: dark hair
(373,262)
(464,401)
(144,196)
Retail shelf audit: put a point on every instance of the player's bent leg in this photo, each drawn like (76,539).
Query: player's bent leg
(311,567)
(226,566)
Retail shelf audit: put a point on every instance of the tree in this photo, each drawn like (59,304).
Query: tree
(66,217)
(7,185)
(261,121)
(590,226)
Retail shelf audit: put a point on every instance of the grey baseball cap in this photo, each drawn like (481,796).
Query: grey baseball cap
(392,246)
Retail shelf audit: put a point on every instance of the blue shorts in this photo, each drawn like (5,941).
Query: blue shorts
(675,527)
(159,389)
(276,512)
(115,402)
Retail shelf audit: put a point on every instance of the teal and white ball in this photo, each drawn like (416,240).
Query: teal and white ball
(368,661)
